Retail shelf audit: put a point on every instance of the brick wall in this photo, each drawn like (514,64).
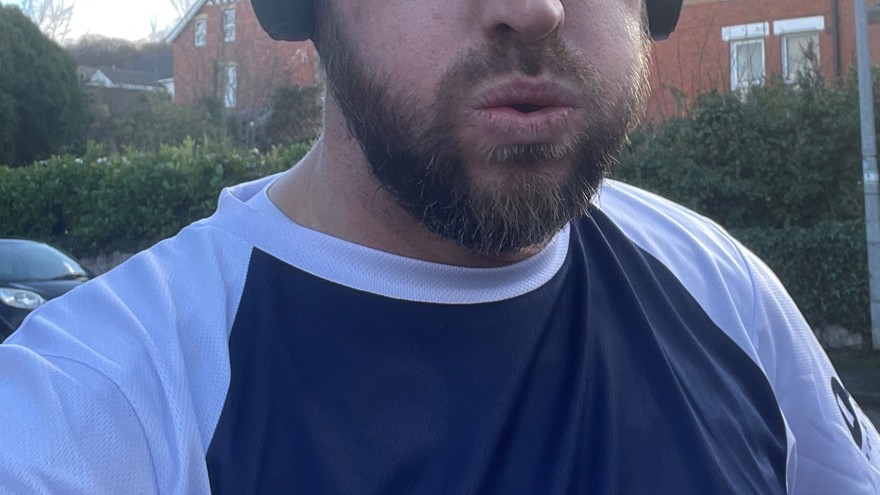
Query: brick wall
(695,59)
(262,64)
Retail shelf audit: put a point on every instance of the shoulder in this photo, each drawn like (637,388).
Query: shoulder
(192,279)
(714,268)
(668,230)
(746,300)
(156,327)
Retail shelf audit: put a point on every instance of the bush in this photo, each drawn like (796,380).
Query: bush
(824,268)
(152,120)
(97,204)
(157,121)
(777,156)
(780,166)
(42,108)
(295,116)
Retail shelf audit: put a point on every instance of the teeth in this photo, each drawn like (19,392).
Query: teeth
(526,107)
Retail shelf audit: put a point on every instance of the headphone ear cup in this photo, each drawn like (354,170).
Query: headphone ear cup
(662,17)
(286,20)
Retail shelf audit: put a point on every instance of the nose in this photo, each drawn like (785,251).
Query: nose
(530,20)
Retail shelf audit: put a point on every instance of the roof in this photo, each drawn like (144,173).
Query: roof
(193,10)
(123,76)
(85,72)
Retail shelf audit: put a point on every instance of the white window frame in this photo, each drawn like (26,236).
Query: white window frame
(741,34)
(735,83)
(229,25)
(303,55)
(799,25)
(230,86)
(201,32)
(745,31)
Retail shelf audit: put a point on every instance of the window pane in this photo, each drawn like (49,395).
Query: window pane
(229,25)
(748,60)
(799,50)
(229,97)
(201,32)
(756,61)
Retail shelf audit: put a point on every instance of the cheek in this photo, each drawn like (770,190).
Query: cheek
(607,32)
(406,42)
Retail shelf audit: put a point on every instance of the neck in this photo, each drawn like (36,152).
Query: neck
(332,191)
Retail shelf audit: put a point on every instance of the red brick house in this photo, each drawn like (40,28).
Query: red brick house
(221,51)
(731,44)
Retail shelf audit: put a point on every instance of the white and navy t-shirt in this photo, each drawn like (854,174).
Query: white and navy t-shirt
(642,352)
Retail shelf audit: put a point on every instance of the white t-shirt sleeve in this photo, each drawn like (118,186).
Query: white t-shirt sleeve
(837,449)
(67,429)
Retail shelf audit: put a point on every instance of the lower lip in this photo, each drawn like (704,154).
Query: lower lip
(545,126)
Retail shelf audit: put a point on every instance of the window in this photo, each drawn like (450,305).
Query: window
(746,53)
(746,64)
(302,55)
(800,44)
(229,25)
(201,31)
(231,88)
(800,52)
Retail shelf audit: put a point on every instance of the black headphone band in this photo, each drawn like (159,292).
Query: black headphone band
(294,20)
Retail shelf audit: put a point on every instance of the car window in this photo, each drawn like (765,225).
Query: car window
(21,261)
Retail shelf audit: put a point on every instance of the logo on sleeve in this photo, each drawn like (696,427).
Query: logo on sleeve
(854,418)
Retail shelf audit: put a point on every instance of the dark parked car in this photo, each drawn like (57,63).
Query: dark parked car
(32,273)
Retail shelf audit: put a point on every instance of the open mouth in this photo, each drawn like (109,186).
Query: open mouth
(522,111)
(525,98)
(527,107)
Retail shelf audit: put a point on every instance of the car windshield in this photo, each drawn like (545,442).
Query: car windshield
(29,261)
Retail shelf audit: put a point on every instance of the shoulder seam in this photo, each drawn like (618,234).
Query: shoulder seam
(742,259)
(722,233)
(127,401)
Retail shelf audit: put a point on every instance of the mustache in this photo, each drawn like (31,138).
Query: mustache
(550,59)
(510,55)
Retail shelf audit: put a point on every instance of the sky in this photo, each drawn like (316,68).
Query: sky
(126,19)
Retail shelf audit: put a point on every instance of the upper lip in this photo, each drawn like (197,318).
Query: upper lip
(525,92)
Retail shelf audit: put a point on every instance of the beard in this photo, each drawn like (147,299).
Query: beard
(418,155)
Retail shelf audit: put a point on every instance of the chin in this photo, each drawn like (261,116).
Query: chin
(509,169)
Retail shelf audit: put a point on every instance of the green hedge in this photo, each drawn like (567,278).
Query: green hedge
(824,268)
(778,156)
(780,166)
(95,204)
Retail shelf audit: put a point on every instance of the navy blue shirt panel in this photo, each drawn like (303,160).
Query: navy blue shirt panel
(610,379)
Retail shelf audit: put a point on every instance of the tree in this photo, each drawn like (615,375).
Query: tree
(295,116)
(42,107)
(99,51)
(182,6)
(51,16)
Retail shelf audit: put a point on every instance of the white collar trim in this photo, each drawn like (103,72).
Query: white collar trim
(379,272)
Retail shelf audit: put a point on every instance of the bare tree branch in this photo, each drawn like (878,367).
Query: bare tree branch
(51,16)
(181,6)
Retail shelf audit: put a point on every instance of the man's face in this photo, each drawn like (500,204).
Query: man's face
(492,122)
